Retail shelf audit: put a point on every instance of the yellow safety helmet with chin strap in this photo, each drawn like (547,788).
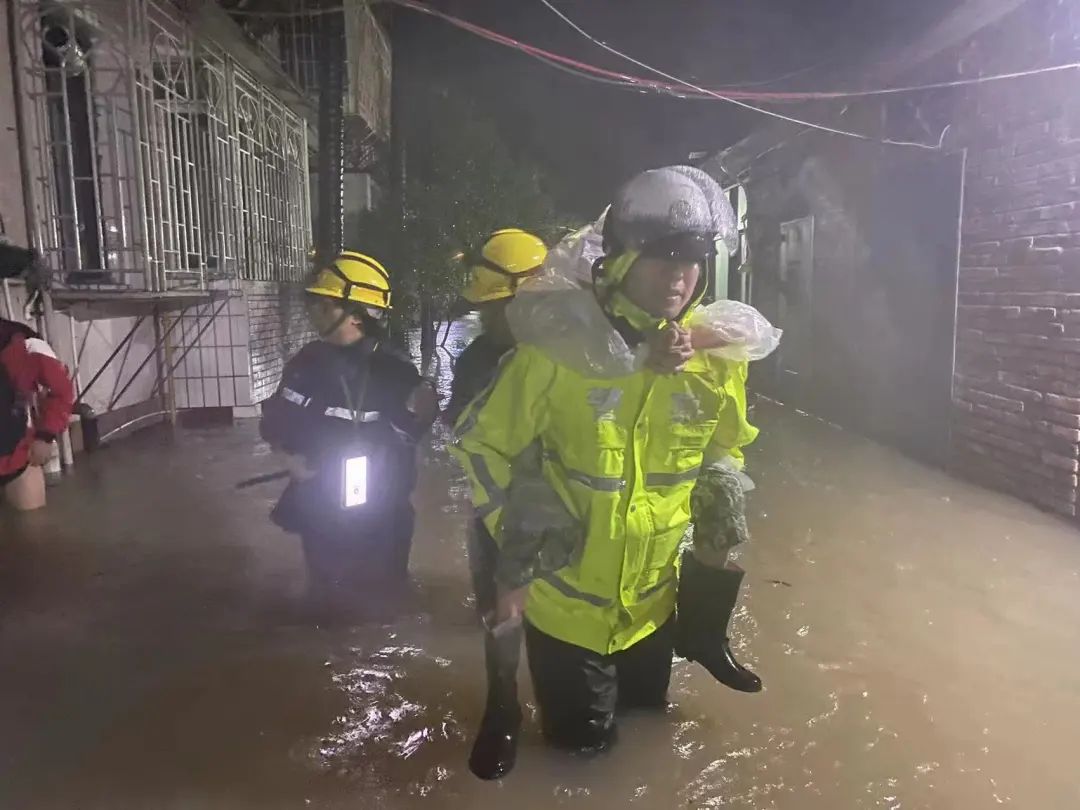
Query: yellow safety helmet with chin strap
(507,258)
(355,278)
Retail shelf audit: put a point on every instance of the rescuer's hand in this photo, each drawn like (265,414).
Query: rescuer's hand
(669,349)
(705,337)
(510,604)
(40,453)
(423,403)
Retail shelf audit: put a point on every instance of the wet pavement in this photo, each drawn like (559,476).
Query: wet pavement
(919,639)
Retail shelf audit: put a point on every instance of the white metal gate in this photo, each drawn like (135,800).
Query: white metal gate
(157,163)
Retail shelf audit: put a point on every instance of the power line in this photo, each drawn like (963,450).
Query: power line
(997,77)
(580,69)
(790,75)
(682,88)
(726,93)
(736,102)
(531,50)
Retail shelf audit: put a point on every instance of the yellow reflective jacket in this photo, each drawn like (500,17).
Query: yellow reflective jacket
(623,453)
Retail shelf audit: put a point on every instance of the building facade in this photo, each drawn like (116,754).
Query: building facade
(931,292)
(160,160)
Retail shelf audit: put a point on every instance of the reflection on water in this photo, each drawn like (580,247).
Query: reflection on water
(918,640)
(380,720)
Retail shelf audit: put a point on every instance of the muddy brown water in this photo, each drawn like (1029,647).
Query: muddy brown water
(919,639)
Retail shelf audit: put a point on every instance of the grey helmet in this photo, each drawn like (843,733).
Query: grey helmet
(674,211)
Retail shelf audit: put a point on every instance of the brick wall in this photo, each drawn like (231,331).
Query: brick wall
(279,327)
(1016,421)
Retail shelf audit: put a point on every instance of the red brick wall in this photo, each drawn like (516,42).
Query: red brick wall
(1015,414)
(1016,421)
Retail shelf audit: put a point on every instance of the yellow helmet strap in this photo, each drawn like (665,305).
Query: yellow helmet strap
(350,308)
(609,277)
(372,318)
(349,284)
(515,278)
(337,322)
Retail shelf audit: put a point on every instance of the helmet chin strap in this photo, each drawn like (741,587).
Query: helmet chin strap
(616,303)
(699,293)
(337,323)
(325,333)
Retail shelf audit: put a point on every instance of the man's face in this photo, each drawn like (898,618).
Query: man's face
(326,317)
(662,287)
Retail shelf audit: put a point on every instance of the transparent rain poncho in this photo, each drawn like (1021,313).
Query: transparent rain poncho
(733,330)
(558,313)
(574,256)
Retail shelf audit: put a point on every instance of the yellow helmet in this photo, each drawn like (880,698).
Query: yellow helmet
(354,277)
(507,258)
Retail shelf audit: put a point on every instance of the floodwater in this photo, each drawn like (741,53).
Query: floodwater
(919,639)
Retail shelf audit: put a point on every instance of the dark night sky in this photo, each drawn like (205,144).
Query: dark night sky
(590,136)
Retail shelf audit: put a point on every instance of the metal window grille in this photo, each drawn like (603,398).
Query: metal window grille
(368,60)
(293,42)
(157,162)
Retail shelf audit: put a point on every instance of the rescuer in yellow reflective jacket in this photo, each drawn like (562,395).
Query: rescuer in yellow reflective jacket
(624,451)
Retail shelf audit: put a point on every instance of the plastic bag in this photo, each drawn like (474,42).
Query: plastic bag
(734,330)
(574,256)
(539,534)
(567,324)
(558,312)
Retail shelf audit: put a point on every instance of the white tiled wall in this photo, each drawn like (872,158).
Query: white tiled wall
(216,369)
(244,343)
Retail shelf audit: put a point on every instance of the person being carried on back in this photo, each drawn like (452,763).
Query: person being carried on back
(639,432)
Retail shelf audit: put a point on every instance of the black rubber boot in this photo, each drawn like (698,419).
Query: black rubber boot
(707,598)
(495,750)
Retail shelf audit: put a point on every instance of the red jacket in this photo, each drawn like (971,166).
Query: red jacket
(40,380)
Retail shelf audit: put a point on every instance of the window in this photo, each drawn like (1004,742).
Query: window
(160,163)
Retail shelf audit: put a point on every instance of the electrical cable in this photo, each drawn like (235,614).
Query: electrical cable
(531,50)
(580,74)
(727,93)
(785,76)
(682,88)
(887,91)
(771,113)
